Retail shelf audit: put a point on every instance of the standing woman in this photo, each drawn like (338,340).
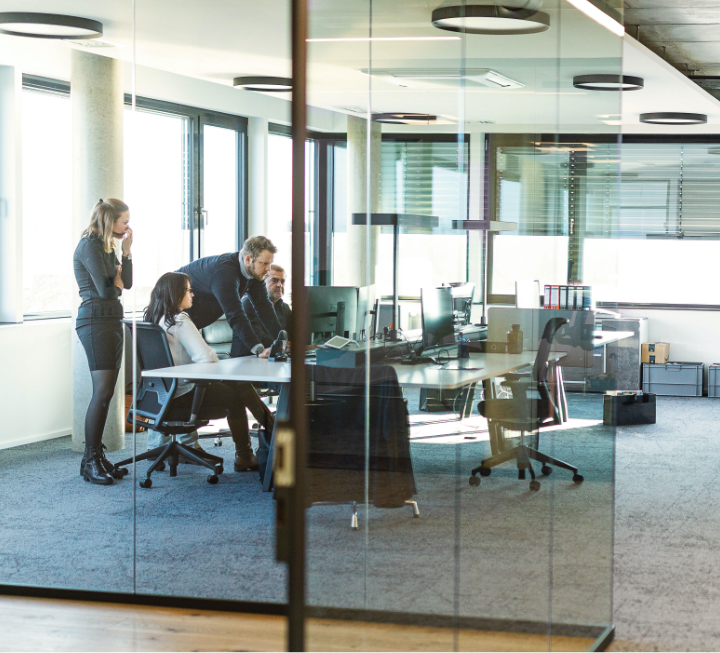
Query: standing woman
(101,279)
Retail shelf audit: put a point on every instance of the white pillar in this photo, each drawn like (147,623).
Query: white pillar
(257,177)
(361,271)
(476,212)
(96,96)
(10,196)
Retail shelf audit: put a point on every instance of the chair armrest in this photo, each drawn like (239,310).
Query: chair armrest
(197,402)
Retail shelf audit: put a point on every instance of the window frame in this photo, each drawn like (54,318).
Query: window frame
(491,208)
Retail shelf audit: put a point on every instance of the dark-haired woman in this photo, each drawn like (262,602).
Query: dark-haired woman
(171,296)
(101,279)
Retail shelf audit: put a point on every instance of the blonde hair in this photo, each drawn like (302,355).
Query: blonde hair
(102,218)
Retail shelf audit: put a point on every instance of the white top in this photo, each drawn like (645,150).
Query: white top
(187,346)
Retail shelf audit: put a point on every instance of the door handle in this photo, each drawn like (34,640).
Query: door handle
(204,217)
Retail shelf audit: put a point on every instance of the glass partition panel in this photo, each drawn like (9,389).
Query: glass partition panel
(64,522)
(509,473)
(204,522)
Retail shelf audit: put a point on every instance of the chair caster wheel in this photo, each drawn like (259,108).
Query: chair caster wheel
(160,467)
(484,471)
(534,485)
(578,478)
(521,474)
(219,469)
(217,442)
(546,470)
(119,473)
(146,483)
(212,479)
(474,481)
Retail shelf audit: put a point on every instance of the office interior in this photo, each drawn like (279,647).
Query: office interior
(450,177)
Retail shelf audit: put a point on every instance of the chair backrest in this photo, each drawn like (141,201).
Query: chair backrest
(540,368)
(153,352)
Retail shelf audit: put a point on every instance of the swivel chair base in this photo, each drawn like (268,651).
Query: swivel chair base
(174,452)
(523,454)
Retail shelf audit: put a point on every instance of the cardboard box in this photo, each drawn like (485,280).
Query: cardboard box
(655,352)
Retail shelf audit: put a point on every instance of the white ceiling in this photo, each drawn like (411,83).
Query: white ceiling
(219,39)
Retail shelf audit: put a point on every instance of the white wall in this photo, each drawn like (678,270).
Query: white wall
(35,382)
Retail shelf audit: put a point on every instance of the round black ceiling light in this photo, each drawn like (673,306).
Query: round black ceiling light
(264,84)
(49,26)
(608,82)
(673,118)
(490,19)
(400,118)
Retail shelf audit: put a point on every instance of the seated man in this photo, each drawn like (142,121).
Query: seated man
(275,283)
(220,283)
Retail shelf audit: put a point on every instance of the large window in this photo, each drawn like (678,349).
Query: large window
(617,217)
(48,281)
(194,205)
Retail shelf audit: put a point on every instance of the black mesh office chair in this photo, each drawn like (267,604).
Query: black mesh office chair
(154,402)
(530,409)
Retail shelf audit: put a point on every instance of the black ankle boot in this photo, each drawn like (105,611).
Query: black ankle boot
(92,469)
(109,467)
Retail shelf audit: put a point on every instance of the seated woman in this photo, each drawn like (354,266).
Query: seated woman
(171,296)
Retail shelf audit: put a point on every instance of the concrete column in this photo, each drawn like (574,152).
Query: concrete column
(257,177)
(361,271)
(96,97)
(10,196)
(476,212)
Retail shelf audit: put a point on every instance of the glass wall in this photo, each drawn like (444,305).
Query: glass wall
(432,514)
(443,167)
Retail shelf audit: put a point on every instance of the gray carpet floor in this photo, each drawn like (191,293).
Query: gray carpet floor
(495,551)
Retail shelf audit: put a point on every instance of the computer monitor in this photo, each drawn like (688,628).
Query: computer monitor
(462,303)
(365,311)
(332,311)
(437,318)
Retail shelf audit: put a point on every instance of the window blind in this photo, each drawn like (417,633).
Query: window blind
(425,178)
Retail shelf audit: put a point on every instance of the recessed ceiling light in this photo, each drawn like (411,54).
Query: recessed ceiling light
(400,118)
(490,19)
(673,118)
(599,16)
(608,82)
(264,84)
(48,26)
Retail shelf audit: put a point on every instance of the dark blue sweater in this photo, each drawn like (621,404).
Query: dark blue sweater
(219,285)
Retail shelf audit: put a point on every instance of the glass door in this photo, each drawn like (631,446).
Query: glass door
(221,196)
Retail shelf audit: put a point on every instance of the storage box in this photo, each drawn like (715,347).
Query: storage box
(674,379)
(655,352)
(714,380)
(628,409)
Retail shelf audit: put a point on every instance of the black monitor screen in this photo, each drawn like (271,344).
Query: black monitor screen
(332,311)
(366,304)
(437,317)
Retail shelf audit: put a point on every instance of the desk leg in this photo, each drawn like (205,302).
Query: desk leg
(281,414)
(494,431)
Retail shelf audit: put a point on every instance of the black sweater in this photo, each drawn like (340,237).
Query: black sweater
(95,271)
(282,311)
(219,285)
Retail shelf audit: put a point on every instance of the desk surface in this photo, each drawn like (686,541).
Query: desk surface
(420,376)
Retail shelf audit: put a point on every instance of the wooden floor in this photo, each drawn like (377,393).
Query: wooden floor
(54,625)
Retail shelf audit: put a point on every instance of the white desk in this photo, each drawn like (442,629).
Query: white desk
(260,371)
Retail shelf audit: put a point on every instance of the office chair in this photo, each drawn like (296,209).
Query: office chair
(154,401)
(530,409)
(336,464)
